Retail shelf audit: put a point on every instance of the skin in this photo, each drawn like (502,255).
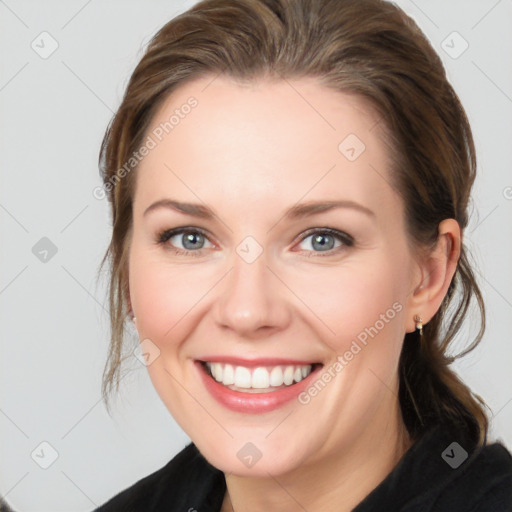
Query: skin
(251,152)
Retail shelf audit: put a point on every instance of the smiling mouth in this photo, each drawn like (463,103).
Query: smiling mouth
(261,379)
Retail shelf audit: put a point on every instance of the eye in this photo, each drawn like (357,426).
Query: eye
(324,240)
(192,240)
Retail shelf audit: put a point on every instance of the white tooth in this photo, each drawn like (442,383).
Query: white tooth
(306,370)
(288,375)
(242,377)
(260,378)
(228,377)
(217,371)
(276,376)
(297,376)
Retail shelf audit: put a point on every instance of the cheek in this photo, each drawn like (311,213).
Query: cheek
(348,303)
(165,300)
(165,297)
(355,302)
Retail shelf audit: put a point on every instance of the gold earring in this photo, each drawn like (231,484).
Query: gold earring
(419,324)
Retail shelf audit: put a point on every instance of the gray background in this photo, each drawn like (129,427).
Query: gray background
(53,321)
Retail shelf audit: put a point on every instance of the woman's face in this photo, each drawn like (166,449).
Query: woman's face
(270,290)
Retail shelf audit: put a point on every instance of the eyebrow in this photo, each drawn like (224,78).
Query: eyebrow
(295,212)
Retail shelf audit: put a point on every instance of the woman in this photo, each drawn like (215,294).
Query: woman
(319,160)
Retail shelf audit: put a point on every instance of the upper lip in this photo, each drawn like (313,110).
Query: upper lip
(263,361)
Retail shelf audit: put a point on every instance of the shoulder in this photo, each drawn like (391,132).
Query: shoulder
(4,507)
(188,481)
(476,480)
(485,483)
(445,471)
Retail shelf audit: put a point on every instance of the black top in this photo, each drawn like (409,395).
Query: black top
(436,474)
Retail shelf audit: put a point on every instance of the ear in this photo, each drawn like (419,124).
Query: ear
(435,273)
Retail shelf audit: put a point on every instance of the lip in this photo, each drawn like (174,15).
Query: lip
(253,403)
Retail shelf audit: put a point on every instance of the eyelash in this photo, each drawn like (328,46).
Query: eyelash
(347,241)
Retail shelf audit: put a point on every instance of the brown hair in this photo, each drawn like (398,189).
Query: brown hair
(366,47)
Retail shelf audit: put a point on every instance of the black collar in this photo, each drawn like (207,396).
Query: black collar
(434,474)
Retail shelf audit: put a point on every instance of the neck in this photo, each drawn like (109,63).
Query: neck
(337,484)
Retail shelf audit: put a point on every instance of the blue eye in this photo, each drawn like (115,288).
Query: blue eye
(324,240)
(193,241)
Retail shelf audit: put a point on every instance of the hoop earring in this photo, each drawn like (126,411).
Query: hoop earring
(419,324)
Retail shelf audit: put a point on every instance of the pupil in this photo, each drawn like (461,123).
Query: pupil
(321,240)
(191,237)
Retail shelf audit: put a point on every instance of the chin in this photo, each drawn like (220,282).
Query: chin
(257,458)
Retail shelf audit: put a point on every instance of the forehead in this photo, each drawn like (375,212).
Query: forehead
(262,141)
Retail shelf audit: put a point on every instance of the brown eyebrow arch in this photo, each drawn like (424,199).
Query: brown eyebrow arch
(295,212)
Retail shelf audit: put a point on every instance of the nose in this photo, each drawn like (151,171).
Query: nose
(253,302)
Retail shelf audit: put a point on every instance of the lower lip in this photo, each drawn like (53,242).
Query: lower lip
(254,403)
